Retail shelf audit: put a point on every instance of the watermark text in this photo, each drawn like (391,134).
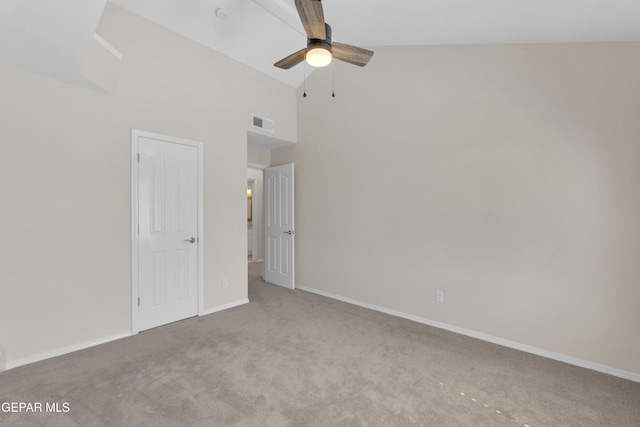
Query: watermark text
(35,407)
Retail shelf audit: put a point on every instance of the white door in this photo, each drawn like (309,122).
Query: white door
(279,226)
(168,240)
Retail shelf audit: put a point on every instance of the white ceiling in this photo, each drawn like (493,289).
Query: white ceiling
(260,32)
(51,37)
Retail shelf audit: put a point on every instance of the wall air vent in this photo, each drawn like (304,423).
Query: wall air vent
(262,123)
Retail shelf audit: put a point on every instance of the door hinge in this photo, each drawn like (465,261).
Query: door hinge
(138,301)
(138,228)
(138,157)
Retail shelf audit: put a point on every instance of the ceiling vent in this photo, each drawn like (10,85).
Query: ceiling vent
(262,123)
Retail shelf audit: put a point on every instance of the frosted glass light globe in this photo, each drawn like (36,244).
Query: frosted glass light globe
(319,57)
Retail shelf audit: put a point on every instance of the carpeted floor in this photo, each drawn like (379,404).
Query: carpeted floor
(291,358)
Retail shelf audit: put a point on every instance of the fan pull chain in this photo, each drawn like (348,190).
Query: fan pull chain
(304,91)
(333,88)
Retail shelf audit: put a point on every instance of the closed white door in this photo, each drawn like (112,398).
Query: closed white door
(168,240)
(279,226)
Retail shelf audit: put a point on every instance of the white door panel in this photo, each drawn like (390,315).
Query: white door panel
(168,232)
(279,226)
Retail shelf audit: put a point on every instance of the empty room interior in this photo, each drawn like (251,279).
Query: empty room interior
(457,231)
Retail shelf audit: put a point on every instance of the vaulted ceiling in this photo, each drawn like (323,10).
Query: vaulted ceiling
(51,37)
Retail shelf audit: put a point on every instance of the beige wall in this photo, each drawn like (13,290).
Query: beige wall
(506,176)
(65,181)
(258,155)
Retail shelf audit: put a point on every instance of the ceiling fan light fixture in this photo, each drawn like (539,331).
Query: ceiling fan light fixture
(319,56)
(320,48)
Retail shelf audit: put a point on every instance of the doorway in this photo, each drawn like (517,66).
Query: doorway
(252,220)
(255,182)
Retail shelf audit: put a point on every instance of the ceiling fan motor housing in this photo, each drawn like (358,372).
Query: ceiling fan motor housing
(325,44)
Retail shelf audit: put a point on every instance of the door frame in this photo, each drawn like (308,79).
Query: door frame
(135,267)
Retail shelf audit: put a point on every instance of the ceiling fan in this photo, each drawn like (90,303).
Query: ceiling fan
(320,48)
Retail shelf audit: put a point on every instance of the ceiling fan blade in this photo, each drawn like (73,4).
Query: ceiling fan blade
(351,54)
(292,60)
(312,18)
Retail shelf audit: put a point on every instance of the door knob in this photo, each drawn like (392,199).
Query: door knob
(290,232)
(191,240)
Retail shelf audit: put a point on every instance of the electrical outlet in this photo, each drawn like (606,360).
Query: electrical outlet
(225,283)
(439,296)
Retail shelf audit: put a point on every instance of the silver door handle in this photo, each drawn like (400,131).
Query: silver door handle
(191,240)
(290,232)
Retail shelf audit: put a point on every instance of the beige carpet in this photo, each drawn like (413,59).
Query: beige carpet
(291,358)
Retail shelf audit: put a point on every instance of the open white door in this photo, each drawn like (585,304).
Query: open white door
(168,239)
(279,226)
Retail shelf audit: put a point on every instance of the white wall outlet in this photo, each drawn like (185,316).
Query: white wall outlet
(225,283)
(439,296)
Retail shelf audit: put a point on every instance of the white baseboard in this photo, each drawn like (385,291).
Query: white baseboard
(484,337)
(64,350)
(224,307)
